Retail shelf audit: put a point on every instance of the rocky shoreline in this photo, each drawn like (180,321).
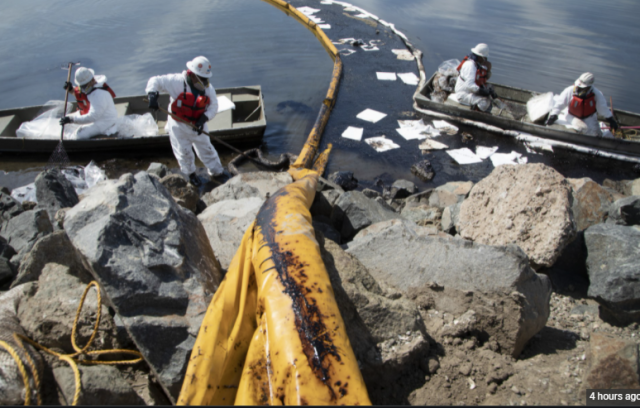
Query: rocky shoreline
(455,295)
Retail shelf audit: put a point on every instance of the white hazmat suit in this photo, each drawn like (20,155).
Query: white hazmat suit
(102,118)
(589,125)
(466,88)
(183,137)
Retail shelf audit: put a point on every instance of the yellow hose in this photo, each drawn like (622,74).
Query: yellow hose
(273,333)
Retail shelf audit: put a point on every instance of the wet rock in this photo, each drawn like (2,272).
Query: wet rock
(613,363)
(185,194)
(369,193)
(423,215)
(158,169)
(9,207)
(344,179)
(527,205)
(28,205)
(54,191)
(613,267)
(52,248)
(450,218)
(323,203)
(618,188)
(423,170)
(154,262)
(101,385)
(353,211)
(401,189)
(591,202)
(406,256)
(625,211)
(225,223)
(23,230)
(450,193)
(326,229)
(245,185)
(7,271)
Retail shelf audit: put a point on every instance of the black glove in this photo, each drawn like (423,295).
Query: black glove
(613,123)
(493,93)
(551,120)
(64,120)
(483,91)
(68,86)
(153,101)
(200,123)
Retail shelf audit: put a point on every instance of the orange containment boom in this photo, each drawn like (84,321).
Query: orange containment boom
(273,333)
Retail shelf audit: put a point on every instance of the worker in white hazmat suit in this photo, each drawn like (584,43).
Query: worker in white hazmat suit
(96,110)
(194,100)
(585,102)
(471,87)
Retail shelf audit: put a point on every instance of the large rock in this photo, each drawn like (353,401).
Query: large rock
(409,257)
(591,202)
(451,218)
(625,211)
(54,191)
(182,191)
(527,205)
(450,193)
(384,328)
(612,363)
(23,230)
(101,385)
(9,207)
(52,248)
(155,264)
(257,184)
(7,271)
(225,223)
(344,179)
(353,211)
(613,263)
(423,215)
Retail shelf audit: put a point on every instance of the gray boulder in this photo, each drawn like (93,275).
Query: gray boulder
(409,257)
(23,230)
(101,385)
(52,248)
(9,207)
(613,264)
(353,211)
(185,194)
(591,202)
(450,218)
(155,264)
(527,205)
(323,203)
(7,271)
(158,169)
(625,211)
(344,179)
(256,184)
(225,223)
(54,191)
(450,193)
(400,189)
(423,215)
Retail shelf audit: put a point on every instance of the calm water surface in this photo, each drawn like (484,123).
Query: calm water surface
(539,45)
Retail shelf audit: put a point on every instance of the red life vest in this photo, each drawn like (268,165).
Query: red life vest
(481,72)
(188,107)
(583,107)
(83,101)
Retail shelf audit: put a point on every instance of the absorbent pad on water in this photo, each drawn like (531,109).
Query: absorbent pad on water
(371,115)
(381,143)
(464,156)
(353,133)
(386,76)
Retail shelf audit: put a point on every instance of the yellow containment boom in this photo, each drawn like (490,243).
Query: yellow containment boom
(273,333)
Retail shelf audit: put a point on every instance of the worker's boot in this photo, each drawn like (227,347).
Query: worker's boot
(194,180)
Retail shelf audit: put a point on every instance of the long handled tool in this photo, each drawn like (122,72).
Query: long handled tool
(215,138)
(59,157)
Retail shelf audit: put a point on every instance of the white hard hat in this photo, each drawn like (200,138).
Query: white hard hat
(83,76)
(200,66)
(585,80)
(481,49)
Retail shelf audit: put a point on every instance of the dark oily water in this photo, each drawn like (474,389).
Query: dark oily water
(539,45)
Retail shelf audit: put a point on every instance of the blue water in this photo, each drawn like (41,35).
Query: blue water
(540,45)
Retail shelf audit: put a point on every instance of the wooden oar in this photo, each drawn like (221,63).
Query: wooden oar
(59,156)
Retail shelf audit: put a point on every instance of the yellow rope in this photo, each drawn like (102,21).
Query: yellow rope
(23,371)
(69,358)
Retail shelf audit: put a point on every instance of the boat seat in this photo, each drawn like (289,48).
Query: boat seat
(8,125)
(222,120)
(122,108)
